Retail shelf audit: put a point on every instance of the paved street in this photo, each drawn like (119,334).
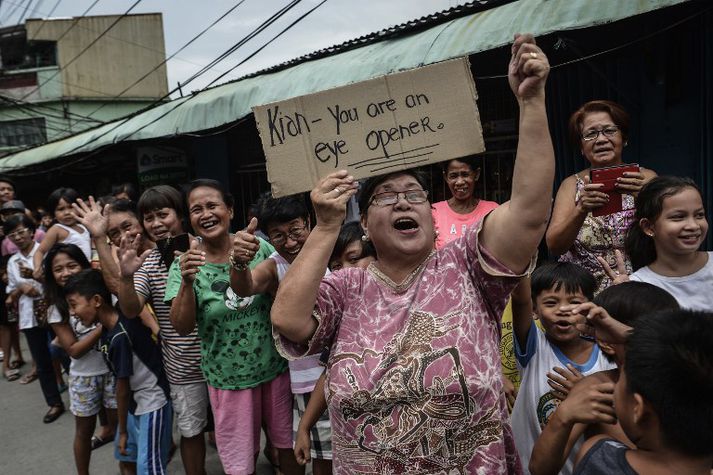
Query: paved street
(28,446)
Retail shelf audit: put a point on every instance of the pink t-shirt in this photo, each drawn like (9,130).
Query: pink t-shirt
(413,378)
(452,225)
(9,248)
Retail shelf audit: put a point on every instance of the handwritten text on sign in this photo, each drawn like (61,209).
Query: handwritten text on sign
(386,124)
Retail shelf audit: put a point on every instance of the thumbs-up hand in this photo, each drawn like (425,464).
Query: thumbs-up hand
(190,261)
(245,244)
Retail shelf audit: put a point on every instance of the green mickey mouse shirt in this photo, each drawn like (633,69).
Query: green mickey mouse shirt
(237,348)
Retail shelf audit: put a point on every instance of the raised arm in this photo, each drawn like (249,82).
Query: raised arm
(292,310)
(567,218)
(590,402)
(91,216)
(183,306)
(245,281)
(47,242)
(513,231)
(522,311)
(130,301)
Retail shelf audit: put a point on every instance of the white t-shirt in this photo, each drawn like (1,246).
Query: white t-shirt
(535,402)
(693,291)
(92,363)
(25,309)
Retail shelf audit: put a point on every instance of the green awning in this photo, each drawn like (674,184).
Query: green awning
(224,104)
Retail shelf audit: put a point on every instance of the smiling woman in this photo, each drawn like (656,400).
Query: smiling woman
(414,337)
(600,129)
(452,217)
(238,358)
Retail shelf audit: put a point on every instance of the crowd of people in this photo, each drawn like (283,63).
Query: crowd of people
(378,345)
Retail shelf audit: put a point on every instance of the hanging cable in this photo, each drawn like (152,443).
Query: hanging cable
(215,22)
(86,48)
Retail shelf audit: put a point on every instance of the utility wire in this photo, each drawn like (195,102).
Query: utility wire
(206,68)
(180,102)
(266,44)
(35,105)
(243,41)
(191,41)
(92,43)
(12,12)
(22,16)
(49,15)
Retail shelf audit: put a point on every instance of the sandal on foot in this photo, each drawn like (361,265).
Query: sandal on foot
(12,374)
(28,378)
(17,364)
(53,414)
(98,441)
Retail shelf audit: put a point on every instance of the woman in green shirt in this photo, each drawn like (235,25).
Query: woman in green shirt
(247,380)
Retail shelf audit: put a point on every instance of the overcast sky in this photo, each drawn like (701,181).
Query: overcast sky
(332,23)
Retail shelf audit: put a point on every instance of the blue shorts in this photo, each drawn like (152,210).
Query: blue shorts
(149,440)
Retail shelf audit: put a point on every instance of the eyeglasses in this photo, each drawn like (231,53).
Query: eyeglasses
(593,134)
(389,198)
(453,176)
(18,233)
(294,234)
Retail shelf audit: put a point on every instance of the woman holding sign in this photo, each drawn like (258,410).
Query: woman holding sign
(590,217)
(414,371)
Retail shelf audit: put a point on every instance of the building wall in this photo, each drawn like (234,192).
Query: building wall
(132,48)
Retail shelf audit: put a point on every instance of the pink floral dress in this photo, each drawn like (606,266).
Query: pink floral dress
(601,236)
(414,380)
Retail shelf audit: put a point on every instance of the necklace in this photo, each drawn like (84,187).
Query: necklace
(406,283)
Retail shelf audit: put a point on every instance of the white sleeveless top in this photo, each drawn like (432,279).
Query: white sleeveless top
(304,372)
(82,240)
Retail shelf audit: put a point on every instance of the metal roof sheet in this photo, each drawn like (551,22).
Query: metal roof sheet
(464,35)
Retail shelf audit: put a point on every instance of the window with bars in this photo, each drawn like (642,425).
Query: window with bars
(15,133)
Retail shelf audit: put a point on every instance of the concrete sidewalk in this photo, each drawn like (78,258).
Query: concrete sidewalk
(28,446)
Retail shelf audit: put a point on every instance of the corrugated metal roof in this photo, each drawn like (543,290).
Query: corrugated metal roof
(465,35)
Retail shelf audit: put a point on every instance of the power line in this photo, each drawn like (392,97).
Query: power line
(92,43)
(121,122)
(22,16)
(274,17)
(215,22)
(12,12)
(266,44)
(244,40)
(30,105)
(49,15)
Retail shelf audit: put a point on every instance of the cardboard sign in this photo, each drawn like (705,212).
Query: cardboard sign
(374,127)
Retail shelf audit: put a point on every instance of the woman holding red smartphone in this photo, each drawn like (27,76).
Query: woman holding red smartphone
(579,231)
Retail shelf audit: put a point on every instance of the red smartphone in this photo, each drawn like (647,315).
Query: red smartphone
(607,176)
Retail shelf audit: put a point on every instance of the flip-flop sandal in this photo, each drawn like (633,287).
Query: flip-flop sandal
(53,414)
(17,364)
(98,441)
(12,374)
(28,378)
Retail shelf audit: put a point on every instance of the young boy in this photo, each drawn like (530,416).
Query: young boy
(144,429)
(555,288)
(588,408)
(663,400)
